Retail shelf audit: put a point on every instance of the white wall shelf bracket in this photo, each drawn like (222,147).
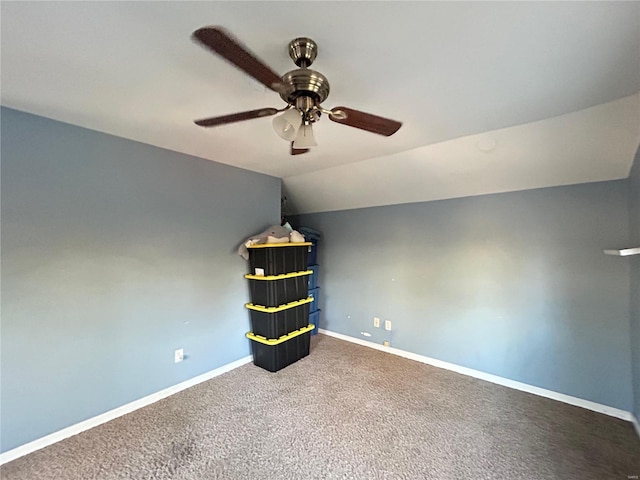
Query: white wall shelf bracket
(623,253)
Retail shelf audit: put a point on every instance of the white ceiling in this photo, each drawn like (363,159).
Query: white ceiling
(494,96)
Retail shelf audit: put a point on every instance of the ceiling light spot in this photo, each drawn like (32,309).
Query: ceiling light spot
(486,145)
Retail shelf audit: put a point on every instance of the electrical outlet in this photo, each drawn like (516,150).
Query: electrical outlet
(385,343)
(387,325)
(376,322)
(178,355)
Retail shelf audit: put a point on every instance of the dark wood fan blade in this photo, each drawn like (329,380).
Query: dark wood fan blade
(236,117)
(298,151)
(364,121)
(222,43)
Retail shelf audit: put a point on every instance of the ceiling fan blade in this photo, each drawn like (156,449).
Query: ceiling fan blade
(236,117)
(221,42)
(298,151)
(364,121)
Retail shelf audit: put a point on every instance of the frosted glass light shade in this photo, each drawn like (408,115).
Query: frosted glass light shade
(305,138)
(287,124)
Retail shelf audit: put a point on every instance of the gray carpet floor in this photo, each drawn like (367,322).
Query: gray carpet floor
(350,412)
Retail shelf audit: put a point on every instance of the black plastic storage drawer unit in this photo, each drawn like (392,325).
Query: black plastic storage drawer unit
(276,290)
(275,322)
(278,258)
(274,355)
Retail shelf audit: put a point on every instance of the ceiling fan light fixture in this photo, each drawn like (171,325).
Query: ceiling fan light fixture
(288,124)
(303,90)
(305,138)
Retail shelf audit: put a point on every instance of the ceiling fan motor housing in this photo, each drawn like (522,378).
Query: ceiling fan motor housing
(304,81)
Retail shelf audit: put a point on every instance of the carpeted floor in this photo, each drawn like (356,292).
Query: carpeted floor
(349,412)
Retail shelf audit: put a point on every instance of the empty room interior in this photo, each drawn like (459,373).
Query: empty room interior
(469,173)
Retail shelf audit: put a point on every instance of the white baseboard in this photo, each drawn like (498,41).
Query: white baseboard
(636,424)
(561,397)
(117,412)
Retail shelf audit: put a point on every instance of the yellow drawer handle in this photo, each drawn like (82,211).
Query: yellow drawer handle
(282,339)
(278,277)
(286,306)
(287,244)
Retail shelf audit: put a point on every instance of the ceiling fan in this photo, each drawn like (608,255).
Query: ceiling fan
(302,89)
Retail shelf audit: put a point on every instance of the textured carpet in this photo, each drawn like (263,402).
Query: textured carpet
(350,412)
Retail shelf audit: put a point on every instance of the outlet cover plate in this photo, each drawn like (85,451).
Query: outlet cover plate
(178,355)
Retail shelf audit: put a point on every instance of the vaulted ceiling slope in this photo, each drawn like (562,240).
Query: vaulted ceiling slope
(493,96)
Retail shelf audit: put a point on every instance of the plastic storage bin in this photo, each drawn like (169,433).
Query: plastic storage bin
(276,290)
(314,319)
(313,293)
(278,258)
(274,355)
(275,322)
(313,278)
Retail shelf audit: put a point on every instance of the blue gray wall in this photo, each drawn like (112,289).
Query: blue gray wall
(634,224)
(114,254)
(512,284)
